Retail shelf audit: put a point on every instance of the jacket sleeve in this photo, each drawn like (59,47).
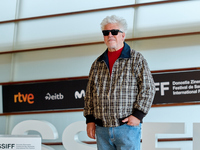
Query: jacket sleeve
(146,88)
(88,100)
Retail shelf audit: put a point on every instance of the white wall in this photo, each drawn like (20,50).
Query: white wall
(161,54)
(170,53)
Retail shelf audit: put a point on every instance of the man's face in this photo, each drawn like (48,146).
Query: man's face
(114,42)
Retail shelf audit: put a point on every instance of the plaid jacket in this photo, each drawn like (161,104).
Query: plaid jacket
(128,91)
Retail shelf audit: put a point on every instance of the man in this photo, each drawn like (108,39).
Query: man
(119,93)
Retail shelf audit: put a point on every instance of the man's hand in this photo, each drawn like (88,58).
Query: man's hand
(91,130)
(132,121)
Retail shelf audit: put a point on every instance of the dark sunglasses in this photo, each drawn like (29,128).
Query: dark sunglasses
(113,32)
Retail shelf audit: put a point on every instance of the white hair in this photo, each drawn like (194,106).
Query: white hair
(115,20)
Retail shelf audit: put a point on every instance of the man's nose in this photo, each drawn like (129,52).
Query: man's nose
(110,34)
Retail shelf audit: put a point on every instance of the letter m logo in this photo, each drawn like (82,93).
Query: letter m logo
(79,95)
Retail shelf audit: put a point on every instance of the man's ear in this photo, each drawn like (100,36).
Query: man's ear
(123,36)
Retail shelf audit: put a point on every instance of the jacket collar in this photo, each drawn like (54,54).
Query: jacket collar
(126,53)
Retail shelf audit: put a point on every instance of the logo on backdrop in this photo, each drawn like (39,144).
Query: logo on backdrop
(177,87)
(54,97)
(7,146)
(79,95)
(23,98)
(162,87)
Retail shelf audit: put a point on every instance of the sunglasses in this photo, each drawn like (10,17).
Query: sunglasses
(113,32)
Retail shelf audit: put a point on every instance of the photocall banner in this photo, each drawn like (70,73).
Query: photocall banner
(177,87)
(171,87)
(67,94)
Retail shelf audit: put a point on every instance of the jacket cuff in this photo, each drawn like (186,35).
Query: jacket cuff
(138,114)
(89,118)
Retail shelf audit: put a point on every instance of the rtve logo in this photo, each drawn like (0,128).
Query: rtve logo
(29,98)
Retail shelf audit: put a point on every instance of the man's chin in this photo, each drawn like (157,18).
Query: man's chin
(111,46)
